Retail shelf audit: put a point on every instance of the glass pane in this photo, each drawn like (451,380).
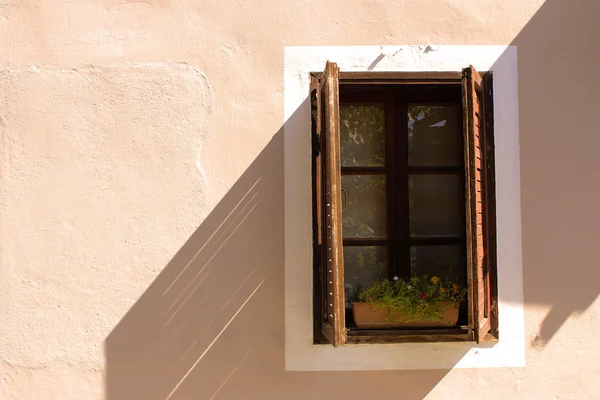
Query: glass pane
(363,205)
(362,132)
(434,136)
(445,262)
(435,206)
(362,267)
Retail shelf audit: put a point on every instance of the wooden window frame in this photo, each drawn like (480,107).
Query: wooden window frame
(384,83)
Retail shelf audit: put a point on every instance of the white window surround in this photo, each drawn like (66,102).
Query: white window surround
(300,352)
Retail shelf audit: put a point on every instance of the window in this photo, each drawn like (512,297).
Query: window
(403,185)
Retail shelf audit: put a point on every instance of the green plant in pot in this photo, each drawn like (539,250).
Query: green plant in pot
(418,301)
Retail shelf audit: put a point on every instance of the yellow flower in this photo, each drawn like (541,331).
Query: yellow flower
(442,290)
(455,287)
(435,280)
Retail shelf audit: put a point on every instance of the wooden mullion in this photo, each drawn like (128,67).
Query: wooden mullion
(402,194)
(363,99)
(436,241)
(365,242)
(445,102)
(437,170)
(364,171)
(391,187)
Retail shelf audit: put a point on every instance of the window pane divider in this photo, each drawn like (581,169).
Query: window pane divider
(441,170)
(363,171)
(365,242)
(437,240)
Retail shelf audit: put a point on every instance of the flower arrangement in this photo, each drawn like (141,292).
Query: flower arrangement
(419,298)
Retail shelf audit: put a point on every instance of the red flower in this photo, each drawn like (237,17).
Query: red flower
(422,296)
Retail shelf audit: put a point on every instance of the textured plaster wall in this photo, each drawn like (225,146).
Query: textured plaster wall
(93,163)
(142,195)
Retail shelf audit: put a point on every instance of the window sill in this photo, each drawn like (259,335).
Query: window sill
(375,336)
(405,356)
(380,336)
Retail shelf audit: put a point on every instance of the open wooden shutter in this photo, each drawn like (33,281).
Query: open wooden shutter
(478,266)
(328,130)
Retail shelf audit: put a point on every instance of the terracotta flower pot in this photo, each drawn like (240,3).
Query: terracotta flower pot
(368,317)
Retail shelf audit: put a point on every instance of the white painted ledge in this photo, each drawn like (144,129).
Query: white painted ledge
(300,353)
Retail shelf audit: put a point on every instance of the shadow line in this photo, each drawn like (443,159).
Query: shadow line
(211,325)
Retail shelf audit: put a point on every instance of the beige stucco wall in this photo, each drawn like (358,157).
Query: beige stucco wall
(142,195)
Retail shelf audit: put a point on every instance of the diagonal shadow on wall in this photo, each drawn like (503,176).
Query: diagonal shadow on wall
(212,323)
(558,102)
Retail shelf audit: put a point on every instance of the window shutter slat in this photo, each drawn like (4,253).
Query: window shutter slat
(476,207)
(333,326)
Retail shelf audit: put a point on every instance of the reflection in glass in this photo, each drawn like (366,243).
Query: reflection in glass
(362,267)
(362,135)
(435,205)
(445,262)
(434,136)
(363,204)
